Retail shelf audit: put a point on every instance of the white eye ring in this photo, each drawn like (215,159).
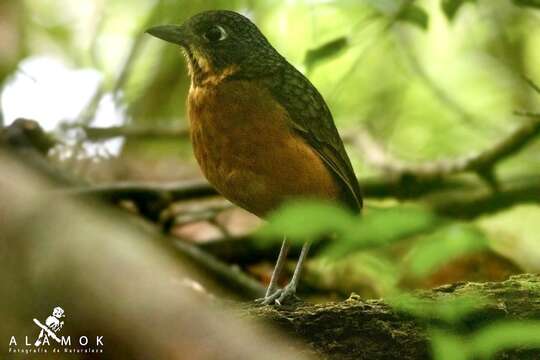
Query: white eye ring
(222,34)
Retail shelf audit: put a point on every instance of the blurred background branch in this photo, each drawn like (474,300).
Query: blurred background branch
(480,163)
(148,132)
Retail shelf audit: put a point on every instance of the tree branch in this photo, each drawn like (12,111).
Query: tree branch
(478,163)
(471,204)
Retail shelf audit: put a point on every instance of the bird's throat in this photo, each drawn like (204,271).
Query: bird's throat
(202,72)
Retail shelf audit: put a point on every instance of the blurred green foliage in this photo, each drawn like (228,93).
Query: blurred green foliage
(486,342)
(451,311)
(301,221)
(437,241)
(447,346)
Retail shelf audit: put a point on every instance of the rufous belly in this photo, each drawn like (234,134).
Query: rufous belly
(248,152)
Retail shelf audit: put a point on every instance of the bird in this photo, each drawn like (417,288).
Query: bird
(261,132)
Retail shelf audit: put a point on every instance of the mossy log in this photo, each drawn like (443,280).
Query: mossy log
(372,329)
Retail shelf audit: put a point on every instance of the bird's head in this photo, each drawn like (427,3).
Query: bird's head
(220,42)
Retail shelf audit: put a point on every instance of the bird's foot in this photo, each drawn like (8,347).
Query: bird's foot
(270,299)
(287,295)
(280,297)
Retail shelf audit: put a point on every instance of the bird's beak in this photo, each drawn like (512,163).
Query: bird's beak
(172,33)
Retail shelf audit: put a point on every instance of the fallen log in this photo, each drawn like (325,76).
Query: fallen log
(373,329)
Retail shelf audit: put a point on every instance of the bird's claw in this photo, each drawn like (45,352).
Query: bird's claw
(288,295)
(279,297)
(269,299)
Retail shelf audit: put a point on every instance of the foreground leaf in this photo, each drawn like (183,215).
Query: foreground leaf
(505,335)
(307,220)
(450,311)
(380,227)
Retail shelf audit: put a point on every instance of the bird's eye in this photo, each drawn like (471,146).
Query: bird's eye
(215,33)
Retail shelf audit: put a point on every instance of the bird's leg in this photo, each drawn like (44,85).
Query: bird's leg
(290,290)
(278,268)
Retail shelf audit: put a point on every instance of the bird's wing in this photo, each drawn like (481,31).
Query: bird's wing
(311,118)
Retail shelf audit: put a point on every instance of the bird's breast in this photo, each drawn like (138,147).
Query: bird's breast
(246,149)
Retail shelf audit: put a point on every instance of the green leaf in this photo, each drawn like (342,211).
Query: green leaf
(414,15)
(527,3)
(450,310)
(310,220)
(325,52)
(378,227)
(504,335)
(447,346)
(451,7)
(306,220)
(443,246)
(488,341)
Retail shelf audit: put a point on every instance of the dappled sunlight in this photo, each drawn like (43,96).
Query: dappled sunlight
(46,89)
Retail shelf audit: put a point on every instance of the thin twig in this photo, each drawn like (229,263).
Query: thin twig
(532,84)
